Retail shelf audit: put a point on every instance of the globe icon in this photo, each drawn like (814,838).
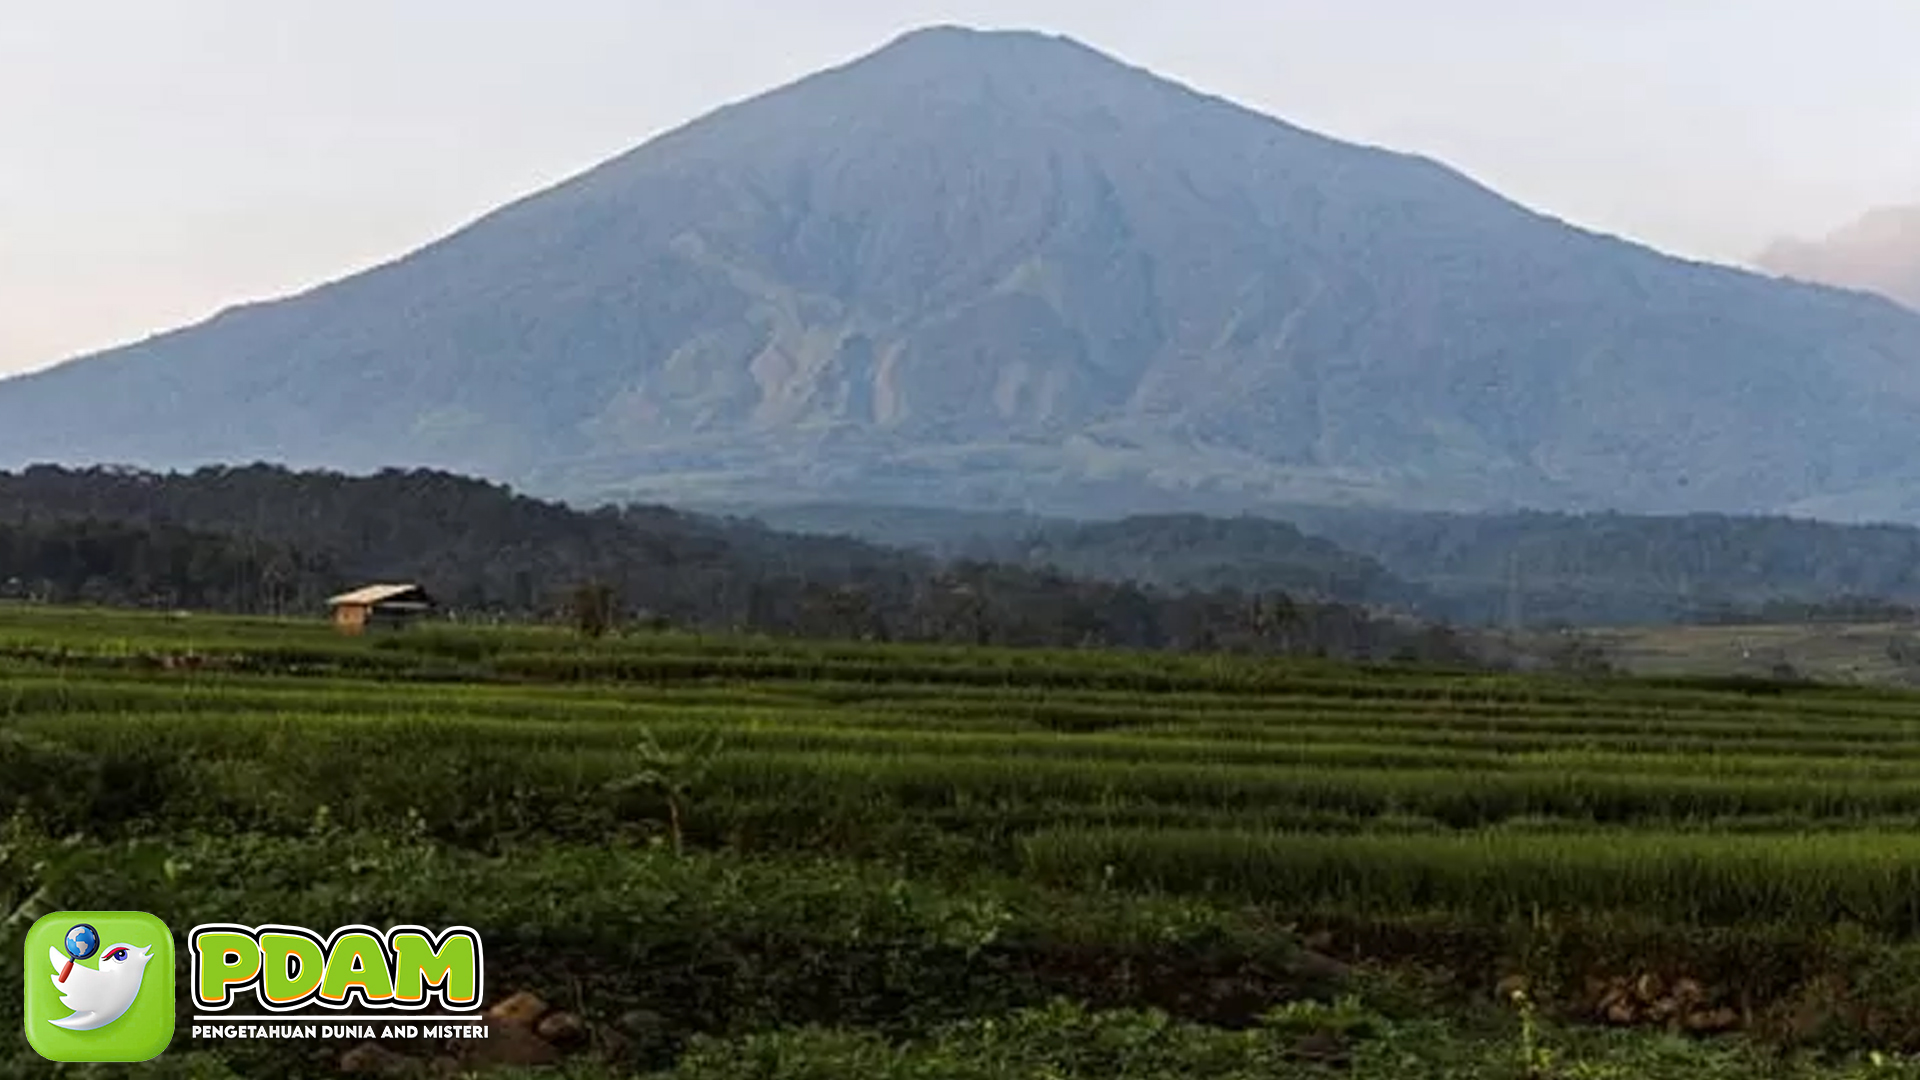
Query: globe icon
(82,941)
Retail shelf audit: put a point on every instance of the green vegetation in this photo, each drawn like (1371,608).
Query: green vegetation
(746,857)
(1866,878)
(1594,570)
(267,540)
(1883,652)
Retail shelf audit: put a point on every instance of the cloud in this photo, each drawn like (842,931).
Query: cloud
(1878,253)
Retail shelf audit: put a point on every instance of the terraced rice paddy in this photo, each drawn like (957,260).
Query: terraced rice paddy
(1422,816)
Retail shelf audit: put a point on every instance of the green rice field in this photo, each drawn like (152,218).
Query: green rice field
(735,857)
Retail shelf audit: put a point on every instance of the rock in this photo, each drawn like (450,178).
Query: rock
(1689,992)
(1648,988)
(562,1029)
(519,1011)
(1621,1012)
(372,1059)
(1713,1020)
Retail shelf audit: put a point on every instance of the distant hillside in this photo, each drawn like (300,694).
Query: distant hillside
(1188,551)
(943,532)
(1597,569)
(481,546)
(1003,270)
(1879,253)
(1616,568)
(1169,551)
(265,539)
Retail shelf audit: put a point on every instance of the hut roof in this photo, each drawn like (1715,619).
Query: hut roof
(376,594)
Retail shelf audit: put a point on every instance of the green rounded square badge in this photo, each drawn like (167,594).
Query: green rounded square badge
(99,986)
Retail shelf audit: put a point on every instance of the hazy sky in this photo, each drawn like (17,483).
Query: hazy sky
(159,161)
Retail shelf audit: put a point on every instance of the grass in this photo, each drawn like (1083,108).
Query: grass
(1863,653)
(1869,878)
(972,832)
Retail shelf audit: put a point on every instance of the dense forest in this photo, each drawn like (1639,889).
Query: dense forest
(1189,551)
(262,539)
(265,539)
(152,565)
(1490,569)
(1612,568)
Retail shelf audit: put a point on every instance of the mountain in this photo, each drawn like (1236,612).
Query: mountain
(1879,253)
(1005,270)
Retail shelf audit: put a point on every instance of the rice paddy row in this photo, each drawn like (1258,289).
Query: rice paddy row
(1302,786)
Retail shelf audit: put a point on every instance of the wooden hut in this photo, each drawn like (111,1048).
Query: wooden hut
(379,607)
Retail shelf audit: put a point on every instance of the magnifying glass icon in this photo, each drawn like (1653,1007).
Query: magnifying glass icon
(82,941)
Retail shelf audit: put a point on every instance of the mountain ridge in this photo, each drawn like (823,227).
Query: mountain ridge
(1005,269)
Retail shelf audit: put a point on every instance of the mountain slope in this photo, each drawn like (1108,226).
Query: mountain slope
(1005,270)
(1879,253)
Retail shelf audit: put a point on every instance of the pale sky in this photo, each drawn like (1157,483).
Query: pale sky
(162,160)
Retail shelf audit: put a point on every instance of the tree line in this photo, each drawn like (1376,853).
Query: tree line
(1530,568)
(264,539)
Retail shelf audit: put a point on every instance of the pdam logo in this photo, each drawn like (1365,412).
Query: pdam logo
(99,986)
(286,968)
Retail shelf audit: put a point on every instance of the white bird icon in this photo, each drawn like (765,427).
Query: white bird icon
(99,996)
